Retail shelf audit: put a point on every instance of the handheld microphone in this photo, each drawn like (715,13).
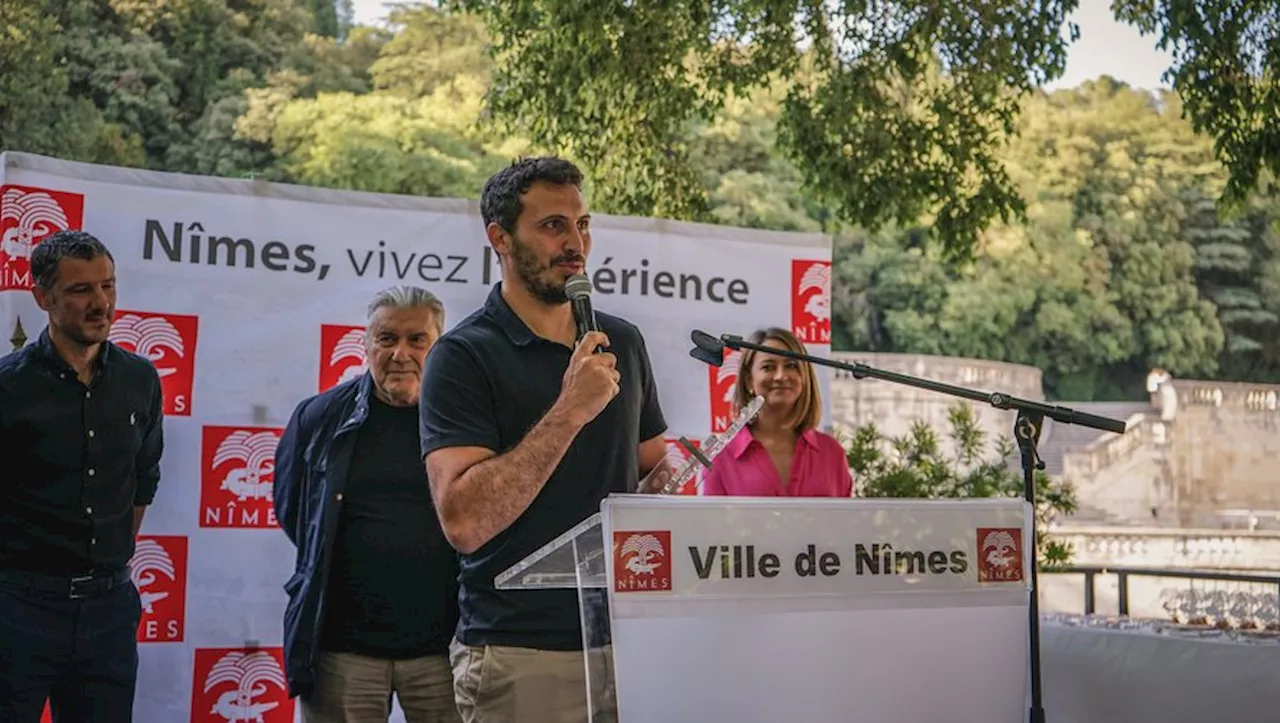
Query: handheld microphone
(578,289)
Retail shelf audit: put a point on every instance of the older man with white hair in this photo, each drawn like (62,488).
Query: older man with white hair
(373,601)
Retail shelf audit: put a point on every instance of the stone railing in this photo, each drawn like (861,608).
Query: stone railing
(980,375)
(1187,549)
(1236,395)
(1111,449)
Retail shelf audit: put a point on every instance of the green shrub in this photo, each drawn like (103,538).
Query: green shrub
(914,465)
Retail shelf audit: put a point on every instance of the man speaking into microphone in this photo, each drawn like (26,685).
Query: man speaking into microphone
(533,410)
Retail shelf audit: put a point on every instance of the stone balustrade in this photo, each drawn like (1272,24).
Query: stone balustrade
(1185,549)
(1245,396)
(1239,551)
(893,407)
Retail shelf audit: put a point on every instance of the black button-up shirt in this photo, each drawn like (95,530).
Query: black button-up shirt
(74,459)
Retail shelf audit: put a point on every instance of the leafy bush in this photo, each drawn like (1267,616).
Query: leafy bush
(914,465)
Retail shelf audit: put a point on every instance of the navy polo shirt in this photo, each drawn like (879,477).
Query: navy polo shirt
(487,382)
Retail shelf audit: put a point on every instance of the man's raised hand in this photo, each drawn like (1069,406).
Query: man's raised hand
(591,381)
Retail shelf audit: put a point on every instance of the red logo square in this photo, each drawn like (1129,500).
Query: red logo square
(999,554)
(342,354)
(27,216)
(240,684)
(169,342)
(676,459)
(237,476)
(642,561)
(811,301)
(721,380)
(159,570)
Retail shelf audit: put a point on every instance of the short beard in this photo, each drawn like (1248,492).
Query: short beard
(530,273)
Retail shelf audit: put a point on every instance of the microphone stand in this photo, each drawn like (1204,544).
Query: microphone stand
(1026,428)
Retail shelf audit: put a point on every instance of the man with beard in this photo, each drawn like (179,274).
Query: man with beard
(524,432)
(81,436)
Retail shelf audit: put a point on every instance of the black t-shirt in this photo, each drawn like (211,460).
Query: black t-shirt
(487,382)
(392,590)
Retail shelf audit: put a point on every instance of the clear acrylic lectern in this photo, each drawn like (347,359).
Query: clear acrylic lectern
(681,597)
(576,561)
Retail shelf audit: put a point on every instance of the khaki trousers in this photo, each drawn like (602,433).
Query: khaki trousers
(357,689)
(495,684)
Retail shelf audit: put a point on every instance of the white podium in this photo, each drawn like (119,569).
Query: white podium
(787,610)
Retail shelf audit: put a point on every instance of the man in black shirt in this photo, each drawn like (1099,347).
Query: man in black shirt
(373,601)
(81,436)
(524,433)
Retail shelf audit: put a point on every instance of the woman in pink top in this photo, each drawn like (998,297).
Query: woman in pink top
(781,453)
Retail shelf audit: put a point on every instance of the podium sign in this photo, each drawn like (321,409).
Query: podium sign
(765,609)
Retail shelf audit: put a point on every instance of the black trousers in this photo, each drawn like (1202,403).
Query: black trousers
(72,642)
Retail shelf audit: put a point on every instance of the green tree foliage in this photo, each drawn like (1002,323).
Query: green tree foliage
(134,82)
(916,465)
(332,17)
(1131,157)
(39,110)
(419,134)
(1120,260)
(429,48)
(29,73)
(1227,71)
(748,183)
(1237,267)
(1124,262)
(388,144)
(892,111)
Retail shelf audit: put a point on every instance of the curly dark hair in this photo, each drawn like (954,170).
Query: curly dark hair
(500,199)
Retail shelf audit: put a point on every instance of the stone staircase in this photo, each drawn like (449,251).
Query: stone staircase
(1058,439)
(1210,461)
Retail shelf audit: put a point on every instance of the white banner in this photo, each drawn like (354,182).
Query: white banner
(246,294)
(888,611)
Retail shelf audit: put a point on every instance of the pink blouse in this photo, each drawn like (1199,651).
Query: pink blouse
(819,468)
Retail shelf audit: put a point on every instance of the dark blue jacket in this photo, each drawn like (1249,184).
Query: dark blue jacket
(312,460)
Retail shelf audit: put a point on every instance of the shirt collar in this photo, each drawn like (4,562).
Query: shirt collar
(43,348)
(500,311)
(744,440)
(810,437)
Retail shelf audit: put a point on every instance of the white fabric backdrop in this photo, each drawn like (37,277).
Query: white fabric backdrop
(242,291)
